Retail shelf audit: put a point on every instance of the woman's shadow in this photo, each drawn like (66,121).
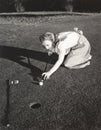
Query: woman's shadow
(19,54)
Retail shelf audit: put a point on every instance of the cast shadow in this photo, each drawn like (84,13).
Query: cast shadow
(35,72)
(19,54)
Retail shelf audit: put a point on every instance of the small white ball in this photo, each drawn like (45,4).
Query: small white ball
(16,81)
(12,82)
(41,83)
(8,125)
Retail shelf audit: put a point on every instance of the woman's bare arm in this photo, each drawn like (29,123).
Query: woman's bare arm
(58,63)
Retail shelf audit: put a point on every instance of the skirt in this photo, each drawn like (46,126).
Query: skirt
(79,56)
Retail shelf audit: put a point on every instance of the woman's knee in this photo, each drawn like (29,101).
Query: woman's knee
(67,65)
(71,63)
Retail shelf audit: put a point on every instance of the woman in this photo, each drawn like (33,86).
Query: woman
(72,47)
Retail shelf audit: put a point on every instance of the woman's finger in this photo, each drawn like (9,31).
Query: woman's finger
(45,77)
(48,77)
(43,74)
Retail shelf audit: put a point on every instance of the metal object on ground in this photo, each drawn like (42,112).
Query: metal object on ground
(41,82)
(5,120)
(14,82)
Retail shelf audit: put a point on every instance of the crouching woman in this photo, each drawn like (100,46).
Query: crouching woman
(72,47)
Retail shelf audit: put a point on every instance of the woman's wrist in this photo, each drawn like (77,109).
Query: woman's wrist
(50,53)
(50,72)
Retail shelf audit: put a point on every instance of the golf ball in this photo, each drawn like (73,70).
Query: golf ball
(8,125)
(41,83)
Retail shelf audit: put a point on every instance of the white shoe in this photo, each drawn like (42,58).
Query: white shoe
(90,57)
(84,65)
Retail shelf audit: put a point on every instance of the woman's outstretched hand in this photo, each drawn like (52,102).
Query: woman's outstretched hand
(46,75)
(50,53)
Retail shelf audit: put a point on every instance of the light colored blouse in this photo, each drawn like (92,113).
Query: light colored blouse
(66,40)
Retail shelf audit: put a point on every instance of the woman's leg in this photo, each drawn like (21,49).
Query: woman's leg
(78,58)
(81,66)
(76,62)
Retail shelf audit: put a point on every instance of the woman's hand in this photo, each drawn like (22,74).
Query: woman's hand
(50,53)
(46,75)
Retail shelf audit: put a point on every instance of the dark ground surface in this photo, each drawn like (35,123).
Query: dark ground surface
(70,100)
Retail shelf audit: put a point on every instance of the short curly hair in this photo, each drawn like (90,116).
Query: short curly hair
(47,36)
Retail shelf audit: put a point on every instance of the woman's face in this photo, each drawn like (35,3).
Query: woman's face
(47,44)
